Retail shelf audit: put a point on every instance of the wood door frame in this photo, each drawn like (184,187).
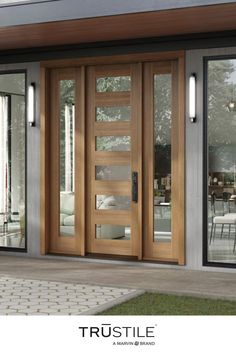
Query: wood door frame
(46,67)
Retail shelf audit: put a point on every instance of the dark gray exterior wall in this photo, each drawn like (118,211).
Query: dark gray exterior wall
(56,10)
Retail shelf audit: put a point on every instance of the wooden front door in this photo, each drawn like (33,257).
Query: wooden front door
(116,160)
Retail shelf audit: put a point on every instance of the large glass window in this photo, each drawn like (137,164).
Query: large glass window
(221,135)
(12,160)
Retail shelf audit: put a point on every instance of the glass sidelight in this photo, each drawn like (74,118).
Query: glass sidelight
(12,160)
(65,206)
(164,162)
(67,157)
(162,156)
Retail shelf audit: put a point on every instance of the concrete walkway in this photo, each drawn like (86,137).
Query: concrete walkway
(127,276)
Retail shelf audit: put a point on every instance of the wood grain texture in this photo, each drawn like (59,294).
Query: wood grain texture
(176,184)
(136,158)
(44,82)
(112,128)
(54,146)
(111,60)
(139,25)
(80,160)
(90,148)
(112,187)
(113,247)
(182,158)
(148,168)
(112,99)
(112,158)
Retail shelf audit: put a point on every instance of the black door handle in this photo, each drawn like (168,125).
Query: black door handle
(135,187)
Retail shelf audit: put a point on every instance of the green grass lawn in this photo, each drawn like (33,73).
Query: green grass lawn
(158,304)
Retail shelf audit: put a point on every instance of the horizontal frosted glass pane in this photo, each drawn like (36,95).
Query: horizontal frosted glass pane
(113,143)
(117,202)
(162,221)
(112,114)
(113,232)
(67,162)
(113,83)
(118,173)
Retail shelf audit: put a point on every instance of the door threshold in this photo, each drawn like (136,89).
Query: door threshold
(98,256)
(106,258)
(110,257)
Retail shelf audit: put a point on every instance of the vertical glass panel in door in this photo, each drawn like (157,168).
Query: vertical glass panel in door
(67,158)
(12,160)
(221,152)
(162,158)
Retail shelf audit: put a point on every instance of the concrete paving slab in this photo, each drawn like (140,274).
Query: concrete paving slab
(65,303)
(119,275)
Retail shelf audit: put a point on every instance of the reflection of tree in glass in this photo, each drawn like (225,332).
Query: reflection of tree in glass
(67,97)
(220,91)
(18,81)
(162,109)
(111,84)
(162,126)
(112,114)
(113,143)
(221,122)
(18,125)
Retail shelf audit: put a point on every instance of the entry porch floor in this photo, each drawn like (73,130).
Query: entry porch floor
(145,277)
